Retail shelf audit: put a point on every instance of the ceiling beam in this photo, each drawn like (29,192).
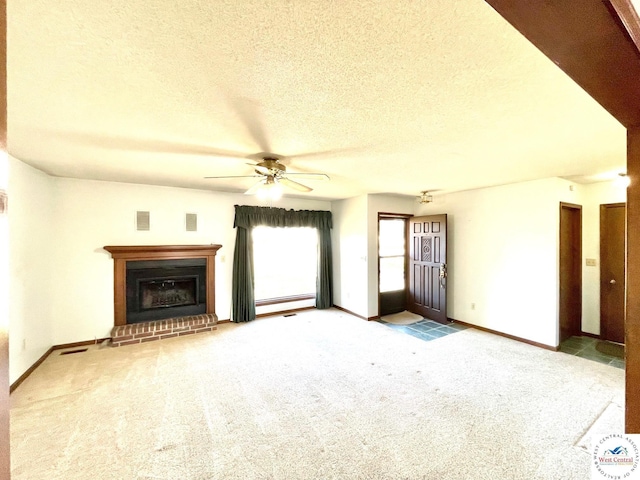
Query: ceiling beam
(589,42)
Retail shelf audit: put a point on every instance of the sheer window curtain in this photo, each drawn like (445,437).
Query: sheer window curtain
(242,289)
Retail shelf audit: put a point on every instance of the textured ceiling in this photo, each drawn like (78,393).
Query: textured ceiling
(383,96)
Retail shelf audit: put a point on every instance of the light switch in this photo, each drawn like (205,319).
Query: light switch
(591,262)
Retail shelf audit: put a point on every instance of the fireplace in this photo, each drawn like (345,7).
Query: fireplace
(160,289)
(158,282)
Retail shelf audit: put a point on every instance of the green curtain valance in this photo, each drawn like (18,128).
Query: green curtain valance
(249,217)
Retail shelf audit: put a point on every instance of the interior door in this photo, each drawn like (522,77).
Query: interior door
(612,271)
(570,301)
(427,294)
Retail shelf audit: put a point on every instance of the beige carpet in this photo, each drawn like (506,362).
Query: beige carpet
(402,318)
(321,395)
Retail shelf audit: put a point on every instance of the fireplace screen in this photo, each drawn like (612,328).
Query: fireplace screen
(168,292)
(160,289)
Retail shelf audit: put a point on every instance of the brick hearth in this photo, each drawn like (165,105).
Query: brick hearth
(173,327)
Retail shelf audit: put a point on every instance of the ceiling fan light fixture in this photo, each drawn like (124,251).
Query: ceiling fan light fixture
(425,197)
(271,190)
(622,180)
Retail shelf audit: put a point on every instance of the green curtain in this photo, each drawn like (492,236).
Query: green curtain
(243,306)
(247,217)
(324,281)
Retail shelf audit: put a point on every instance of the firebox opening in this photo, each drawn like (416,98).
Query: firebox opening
(167,292)
(161,289)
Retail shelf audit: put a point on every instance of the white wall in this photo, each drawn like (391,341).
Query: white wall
(93,214)
(381,203)
(61,278)
(32,249)
(350,263)
(503,252)
(355,249)
(593,196)
(503,256)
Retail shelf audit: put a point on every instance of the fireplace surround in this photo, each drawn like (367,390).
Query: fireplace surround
(162,291)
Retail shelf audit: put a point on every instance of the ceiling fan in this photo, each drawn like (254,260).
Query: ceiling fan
(272,173)
(269,168)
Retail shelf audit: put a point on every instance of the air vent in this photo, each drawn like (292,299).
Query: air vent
(69,352)
(143,222)
(191,222)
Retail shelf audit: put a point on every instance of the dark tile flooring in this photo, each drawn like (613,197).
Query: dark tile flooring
(585,347)
(426,329)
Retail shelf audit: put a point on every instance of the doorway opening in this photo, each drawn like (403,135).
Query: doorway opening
(392,259)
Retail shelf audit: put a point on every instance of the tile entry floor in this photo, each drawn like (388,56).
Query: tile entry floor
(584,347)
(426,329)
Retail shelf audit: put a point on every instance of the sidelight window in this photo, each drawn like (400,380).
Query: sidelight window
(391,245)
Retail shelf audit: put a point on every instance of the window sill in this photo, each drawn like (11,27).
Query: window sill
(292,298)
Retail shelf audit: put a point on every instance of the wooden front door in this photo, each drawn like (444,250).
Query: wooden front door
(570,270)
(612,271)
(427,295)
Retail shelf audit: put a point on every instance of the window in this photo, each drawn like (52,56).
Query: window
(391,252)
(285,261)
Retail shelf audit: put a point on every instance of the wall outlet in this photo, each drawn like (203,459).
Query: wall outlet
(473,306)
(591,262)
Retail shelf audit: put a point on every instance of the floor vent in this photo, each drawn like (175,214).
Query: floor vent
(290,315)
(69,352)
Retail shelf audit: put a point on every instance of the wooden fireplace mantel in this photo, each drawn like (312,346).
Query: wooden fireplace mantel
(122,254)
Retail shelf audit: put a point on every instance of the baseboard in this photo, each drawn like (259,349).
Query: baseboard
(38,362)
(273,314)
(338,307)
(30,370)
(506,335)
(291,298)
(80,344)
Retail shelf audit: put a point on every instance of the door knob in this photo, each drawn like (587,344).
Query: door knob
(612,282)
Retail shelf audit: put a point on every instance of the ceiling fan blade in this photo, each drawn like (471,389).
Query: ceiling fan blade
(254,188)
(248,112)
(310,176)
(295,185)
(237,176)
(324,153)
(260,168)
